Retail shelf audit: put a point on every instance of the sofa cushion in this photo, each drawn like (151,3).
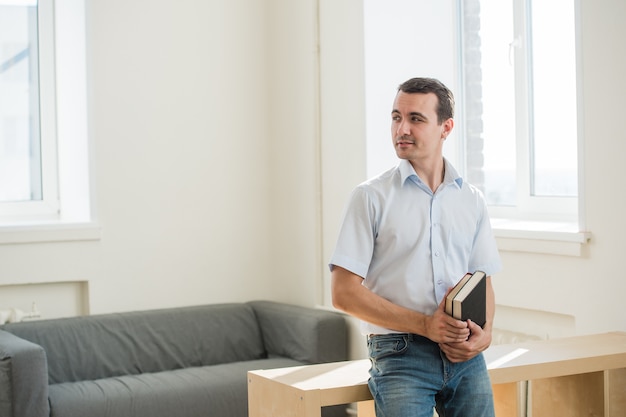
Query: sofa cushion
(305,334)
(102,346)
(218,391)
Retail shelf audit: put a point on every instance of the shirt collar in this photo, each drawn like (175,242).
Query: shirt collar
(451,175)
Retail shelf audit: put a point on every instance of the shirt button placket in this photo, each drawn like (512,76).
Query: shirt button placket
(437,257)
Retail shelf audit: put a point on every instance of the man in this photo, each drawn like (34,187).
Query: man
(408,235)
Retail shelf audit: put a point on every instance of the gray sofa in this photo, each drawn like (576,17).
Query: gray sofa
(176,362)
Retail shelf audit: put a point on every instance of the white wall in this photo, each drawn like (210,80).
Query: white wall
(399,47)
(342,110)
(221,173)
(202,117)
(292,196)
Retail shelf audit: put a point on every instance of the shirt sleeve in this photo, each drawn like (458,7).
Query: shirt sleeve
(485,256)
(357,233)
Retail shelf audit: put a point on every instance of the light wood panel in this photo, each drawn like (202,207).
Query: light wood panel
(580,376)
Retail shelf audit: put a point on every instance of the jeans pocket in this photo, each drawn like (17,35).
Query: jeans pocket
(383,346)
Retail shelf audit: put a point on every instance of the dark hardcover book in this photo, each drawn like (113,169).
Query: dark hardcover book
(469,300)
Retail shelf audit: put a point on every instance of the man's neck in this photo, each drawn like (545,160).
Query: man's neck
(430,172)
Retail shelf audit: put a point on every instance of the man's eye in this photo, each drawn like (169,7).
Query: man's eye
(395,118)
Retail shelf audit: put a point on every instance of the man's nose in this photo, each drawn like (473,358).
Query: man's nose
(403,129)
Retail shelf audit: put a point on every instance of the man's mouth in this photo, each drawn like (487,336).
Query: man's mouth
(405,141)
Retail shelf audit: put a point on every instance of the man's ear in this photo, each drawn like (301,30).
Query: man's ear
(447,127)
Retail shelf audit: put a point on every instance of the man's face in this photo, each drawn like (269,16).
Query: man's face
(415,131)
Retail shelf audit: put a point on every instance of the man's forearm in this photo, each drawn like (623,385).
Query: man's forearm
(350,296)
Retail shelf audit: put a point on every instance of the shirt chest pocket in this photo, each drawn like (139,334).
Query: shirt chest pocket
(457,239)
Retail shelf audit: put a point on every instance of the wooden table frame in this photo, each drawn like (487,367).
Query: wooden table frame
(570,377)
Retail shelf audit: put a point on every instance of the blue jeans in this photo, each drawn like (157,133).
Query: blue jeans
(410,376)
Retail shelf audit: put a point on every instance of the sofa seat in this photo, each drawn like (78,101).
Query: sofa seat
(186,392)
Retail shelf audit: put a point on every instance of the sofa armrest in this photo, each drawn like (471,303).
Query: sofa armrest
(305,334)
(23,378)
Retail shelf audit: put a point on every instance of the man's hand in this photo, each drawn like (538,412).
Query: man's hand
(462,351)
(443,328)
(479,338)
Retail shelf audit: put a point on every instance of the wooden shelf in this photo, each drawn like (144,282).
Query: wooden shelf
(570,377)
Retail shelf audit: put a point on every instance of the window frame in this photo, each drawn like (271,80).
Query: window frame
(68,118)
(47,208)
(552,211)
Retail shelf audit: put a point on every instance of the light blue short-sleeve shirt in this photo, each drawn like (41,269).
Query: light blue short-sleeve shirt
(409,244)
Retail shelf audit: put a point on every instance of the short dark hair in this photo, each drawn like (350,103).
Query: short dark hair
(445,109)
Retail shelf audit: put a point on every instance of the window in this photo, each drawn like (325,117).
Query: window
(27,157)
(44,175)
(520,107)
